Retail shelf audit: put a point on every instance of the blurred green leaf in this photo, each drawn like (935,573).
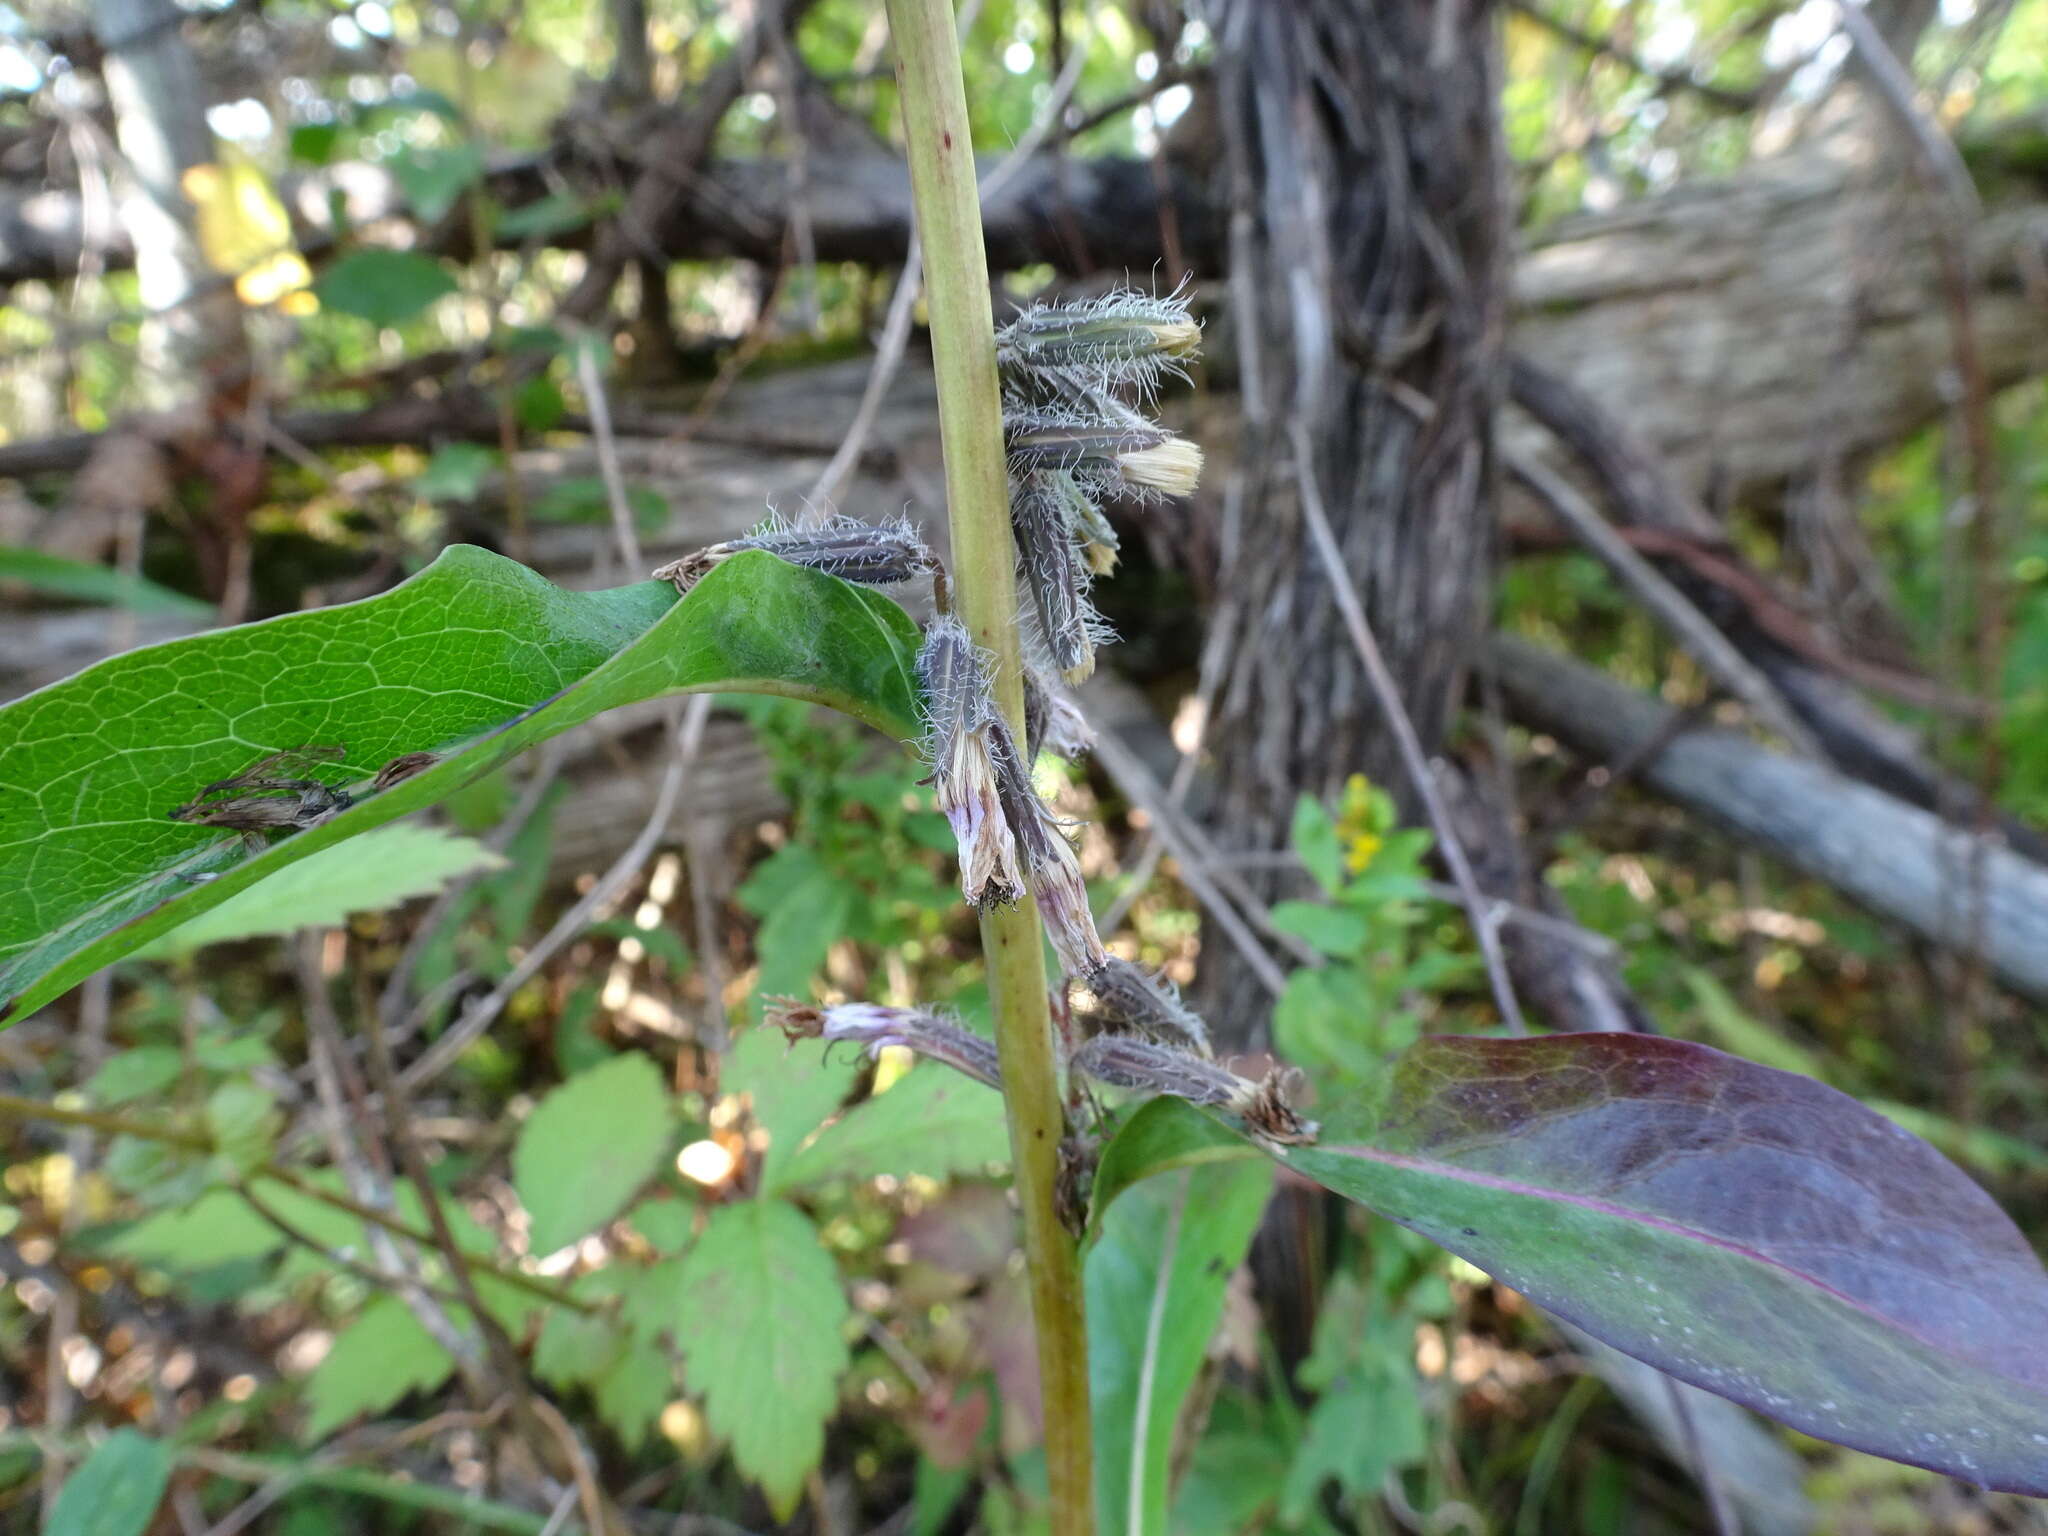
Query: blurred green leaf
(376,1360)
(455,472)
(116,1490)
(588,1146)
(1316,844)
(35,571)
(932,1121)
(433,180)
(381,869)
(382,287)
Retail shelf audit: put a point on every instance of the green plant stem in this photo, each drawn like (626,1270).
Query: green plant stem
(15,1108)
(948,207)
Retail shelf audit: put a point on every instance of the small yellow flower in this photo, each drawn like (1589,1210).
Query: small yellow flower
(1362,816)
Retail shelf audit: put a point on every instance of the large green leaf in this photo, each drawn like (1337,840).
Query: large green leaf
(376,1360)
(380,869)
(758,1319)
(1155,1281)
(588,1146)
(934,1122)
(476,658)
(1746,1230)
(61,577)
(116,1490)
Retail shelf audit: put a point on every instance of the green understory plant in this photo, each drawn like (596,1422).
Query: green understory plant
(1743,1228)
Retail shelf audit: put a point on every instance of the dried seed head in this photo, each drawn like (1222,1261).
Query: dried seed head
(1268,1113)
(873,554)
(1124,1061)
(399,769)
(961,727)
(1048,858)
(1050,564)
(872,1026)
(1053,721)
(1123,339)
(1133,1000)
(1174,466)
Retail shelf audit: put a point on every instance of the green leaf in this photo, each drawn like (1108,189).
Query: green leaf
(455,472)
(933,1122)
(40,572)
(434,179)
(760,1315)
(1332,930)
(584,499)
(373,1362)
(1316,844)
(381,869)
(588,1147)
(789,1092)
(243,1121)
(539,404)
(1158,1137)
(632,1392)
(1155,1281)
(667,1223)
(217,1228)
(476,657)
(546,217)
(116,1490)
(136,1074)
(382,287)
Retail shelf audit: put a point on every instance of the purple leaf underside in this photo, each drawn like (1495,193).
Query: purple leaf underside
(1748,1230)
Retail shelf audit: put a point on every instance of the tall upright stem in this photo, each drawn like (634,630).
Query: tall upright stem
(942,181)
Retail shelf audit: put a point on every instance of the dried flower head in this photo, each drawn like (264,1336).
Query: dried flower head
(1121,339)
(873,554)
(1104,446)
(1053,722)
(1267,1112)
(1050,566)
(871,1026)
(1050,868)
(1132,1000)
(961,729)
(1143,1066)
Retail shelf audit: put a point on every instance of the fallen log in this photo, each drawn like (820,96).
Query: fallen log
(1895,859)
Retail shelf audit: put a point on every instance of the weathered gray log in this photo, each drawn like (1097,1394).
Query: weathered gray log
(1895,859)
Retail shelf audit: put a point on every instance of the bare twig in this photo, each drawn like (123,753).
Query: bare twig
(1132,776)
(1669,606)
(1485,924)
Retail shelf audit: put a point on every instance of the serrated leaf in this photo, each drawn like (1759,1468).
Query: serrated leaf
(761,1340)
(243,1120)
(632,1392)
(376,1360)
(1749,1231)
(1155,1280)
(476,657)
(381,869)
(38,571)
(933,1122)
(116,1490)
(217,1228)
(588,1147)
(789,1093)
(382,287)
(136,1074)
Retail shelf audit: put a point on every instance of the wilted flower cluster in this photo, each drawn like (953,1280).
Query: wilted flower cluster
(1074,376)
(1074,440)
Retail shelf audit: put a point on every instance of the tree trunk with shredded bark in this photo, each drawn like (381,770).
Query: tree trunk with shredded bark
(1369,276)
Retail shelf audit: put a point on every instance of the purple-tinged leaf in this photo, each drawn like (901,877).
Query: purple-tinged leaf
(1747,1230)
